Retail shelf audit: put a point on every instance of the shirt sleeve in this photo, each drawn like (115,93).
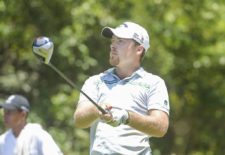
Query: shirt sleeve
(90,88)
(158,97)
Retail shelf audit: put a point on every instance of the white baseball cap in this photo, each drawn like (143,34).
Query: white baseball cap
(129,30)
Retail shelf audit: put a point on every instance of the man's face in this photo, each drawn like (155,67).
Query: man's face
(122,51)
(12,118)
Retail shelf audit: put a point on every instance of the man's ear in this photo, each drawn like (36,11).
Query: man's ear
(140,50)
(24,113)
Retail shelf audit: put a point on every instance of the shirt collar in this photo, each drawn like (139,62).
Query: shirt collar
(140,72)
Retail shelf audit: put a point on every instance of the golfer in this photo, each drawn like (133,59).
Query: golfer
(136,101)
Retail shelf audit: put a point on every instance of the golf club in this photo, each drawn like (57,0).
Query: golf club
(43,48)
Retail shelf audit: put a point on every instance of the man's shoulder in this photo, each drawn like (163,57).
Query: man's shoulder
(35,130)
(151,77)
(33,126)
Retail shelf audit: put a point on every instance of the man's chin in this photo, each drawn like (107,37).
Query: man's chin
(113,62)
(7,125)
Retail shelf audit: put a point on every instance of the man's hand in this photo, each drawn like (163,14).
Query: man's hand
(108,116)
(120,116)
(115,116)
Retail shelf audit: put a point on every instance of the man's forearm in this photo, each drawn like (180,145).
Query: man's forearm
(85,116)
(155,125)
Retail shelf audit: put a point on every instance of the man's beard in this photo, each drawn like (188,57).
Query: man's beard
(114,60)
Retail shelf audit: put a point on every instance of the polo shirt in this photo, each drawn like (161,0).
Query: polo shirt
(140,92)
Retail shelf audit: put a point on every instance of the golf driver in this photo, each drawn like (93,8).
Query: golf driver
(43,48)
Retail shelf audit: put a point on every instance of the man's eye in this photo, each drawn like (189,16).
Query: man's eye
(113,40)
(117,40)
(120,40)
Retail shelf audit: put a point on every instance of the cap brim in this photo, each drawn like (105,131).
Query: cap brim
(107,32)
(8,107)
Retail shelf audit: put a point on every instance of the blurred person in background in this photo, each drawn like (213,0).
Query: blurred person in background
(136,101)
(23,138)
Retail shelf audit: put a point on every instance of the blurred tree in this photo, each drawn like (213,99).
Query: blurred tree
(187,50)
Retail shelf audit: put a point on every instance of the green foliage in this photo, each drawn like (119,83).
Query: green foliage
(187,50)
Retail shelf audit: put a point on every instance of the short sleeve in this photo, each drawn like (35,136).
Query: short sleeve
(158,97)
(90,88)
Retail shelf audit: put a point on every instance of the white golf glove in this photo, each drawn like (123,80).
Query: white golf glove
(120,116)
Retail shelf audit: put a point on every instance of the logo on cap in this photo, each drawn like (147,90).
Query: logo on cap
(10,99)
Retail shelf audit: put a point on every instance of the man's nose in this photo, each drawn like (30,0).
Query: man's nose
(112,47)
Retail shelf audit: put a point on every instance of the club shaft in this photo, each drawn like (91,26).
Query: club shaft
(72,84)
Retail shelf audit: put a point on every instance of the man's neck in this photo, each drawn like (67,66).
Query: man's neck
(125,71)
(18,129)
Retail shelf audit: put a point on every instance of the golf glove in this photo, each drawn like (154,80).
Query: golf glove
(120,116)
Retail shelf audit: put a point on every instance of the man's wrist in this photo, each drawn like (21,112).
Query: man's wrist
(126,118)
